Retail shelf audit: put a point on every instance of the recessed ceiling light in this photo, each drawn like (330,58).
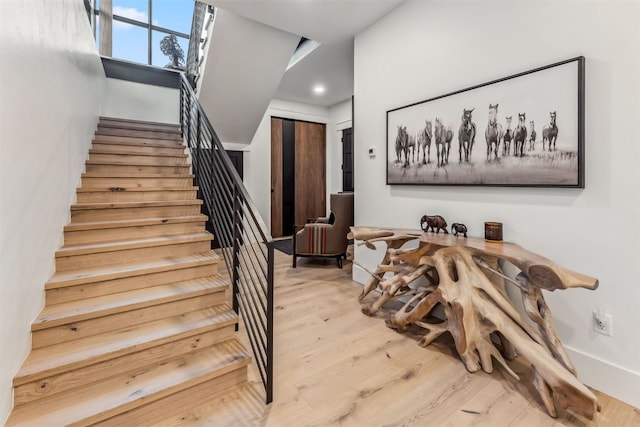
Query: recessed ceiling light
(318,89)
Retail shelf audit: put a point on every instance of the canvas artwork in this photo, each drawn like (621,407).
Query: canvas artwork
(523,130)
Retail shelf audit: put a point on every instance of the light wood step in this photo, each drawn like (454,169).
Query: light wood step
(92,212)
(136,148)
(207,332)
(138,159)
(137,140)
(87,283)
(97,325)
(135,133)
(91,308)
(109,253)
(137,124)
(109,398)
(121,194)
(108,231)
(171,410)
(100,166)
(123,182)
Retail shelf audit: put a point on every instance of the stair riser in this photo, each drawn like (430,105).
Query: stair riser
(101,259)
(141,232)
(125,159)
(127,139)
(136,149)
(134,196)
(78,376)
(136,183)
(91,215)
(103,130)
(157,127)
(163,409)
(107,287)
(119,169)
(86,328)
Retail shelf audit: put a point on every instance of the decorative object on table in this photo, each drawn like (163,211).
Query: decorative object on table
(473,122)
(458,228)
(433,222)
(493,231)
(468,283)
(324,238)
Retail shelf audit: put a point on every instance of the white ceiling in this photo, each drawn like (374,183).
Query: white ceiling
(333,23)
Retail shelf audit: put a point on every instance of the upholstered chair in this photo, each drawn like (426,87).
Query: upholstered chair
(327,236)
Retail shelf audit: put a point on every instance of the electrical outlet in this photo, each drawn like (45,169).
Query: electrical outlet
(602,322)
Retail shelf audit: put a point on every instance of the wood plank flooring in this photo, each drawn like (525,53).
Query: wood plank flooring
(335,366)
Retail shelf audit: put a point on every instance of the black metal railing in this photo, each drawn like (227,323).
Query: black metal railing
(245,244)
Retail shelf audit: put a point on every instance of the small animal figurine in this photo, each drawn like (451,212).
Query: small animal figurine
(458,228)
(433,222)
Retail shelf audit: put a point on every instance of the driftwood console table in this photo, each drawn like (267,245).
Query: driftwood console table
(464,276)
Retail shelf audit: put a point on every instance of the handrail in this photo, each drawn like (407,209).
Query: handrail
(245,243)
(197,22)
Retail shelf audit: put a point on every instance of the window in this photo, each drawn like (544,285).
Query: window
(139,26)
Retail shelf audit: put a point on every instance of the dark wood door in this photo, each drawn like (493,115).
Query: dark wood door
(347,160)
(298,164)
(310,183)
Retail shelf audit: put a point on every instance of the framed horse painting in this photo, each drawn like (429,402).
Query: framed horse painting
(524,130)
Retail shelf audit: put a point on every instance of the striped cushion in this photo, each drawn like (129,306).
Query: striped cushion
(318,240)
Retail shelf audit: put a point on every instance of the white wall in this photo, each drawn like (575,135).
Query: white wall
(51,83)
(428,48)
(137,101)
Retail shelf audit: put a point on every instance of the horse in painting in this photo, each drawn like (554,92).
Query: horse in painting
(494,132)
(443,137)
(550,132)
(507,139)
(532,136)
(466,135)
(520,135)
(401,143)
(424,141)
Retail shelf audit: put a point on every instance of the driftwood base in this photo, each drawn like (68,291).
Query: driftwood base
(464,277)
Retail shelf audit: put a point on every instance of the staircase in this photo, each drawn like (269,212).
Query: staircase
(136,322)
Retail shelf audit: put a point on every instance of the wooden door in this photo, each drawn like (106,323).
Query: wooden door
(310,183)
(298,165)
(276,177)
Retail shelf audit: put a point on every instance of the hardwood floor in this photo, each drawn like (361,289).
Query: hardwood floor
(335,366)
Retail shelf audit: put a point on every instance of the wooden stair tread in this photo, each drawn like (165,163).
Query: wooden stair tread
(134,175)
(101,225)
(52,360)
(158,135)
(114,163)
(125,205)
(75,311)
(131,244)
(136,189)
(99,274)
(143,144)
(98,151)
(107,398)
(133,121)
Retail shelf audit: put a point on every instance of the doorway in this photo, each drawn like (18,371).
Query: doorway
(347,159)
(298,165)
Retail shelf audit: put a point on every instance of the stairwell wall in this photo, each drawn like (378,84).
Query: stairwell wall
(51,85)
(425,49)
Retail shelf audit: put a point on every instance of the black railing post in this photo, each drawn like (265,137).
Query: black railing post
(236,248)
(269,331)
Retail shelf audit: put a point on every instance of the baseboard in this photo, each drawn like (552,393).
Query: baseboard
(613,380)
(610,379)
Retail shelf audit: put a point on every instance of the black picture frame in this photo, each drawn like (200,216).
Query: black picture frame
(455,150)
